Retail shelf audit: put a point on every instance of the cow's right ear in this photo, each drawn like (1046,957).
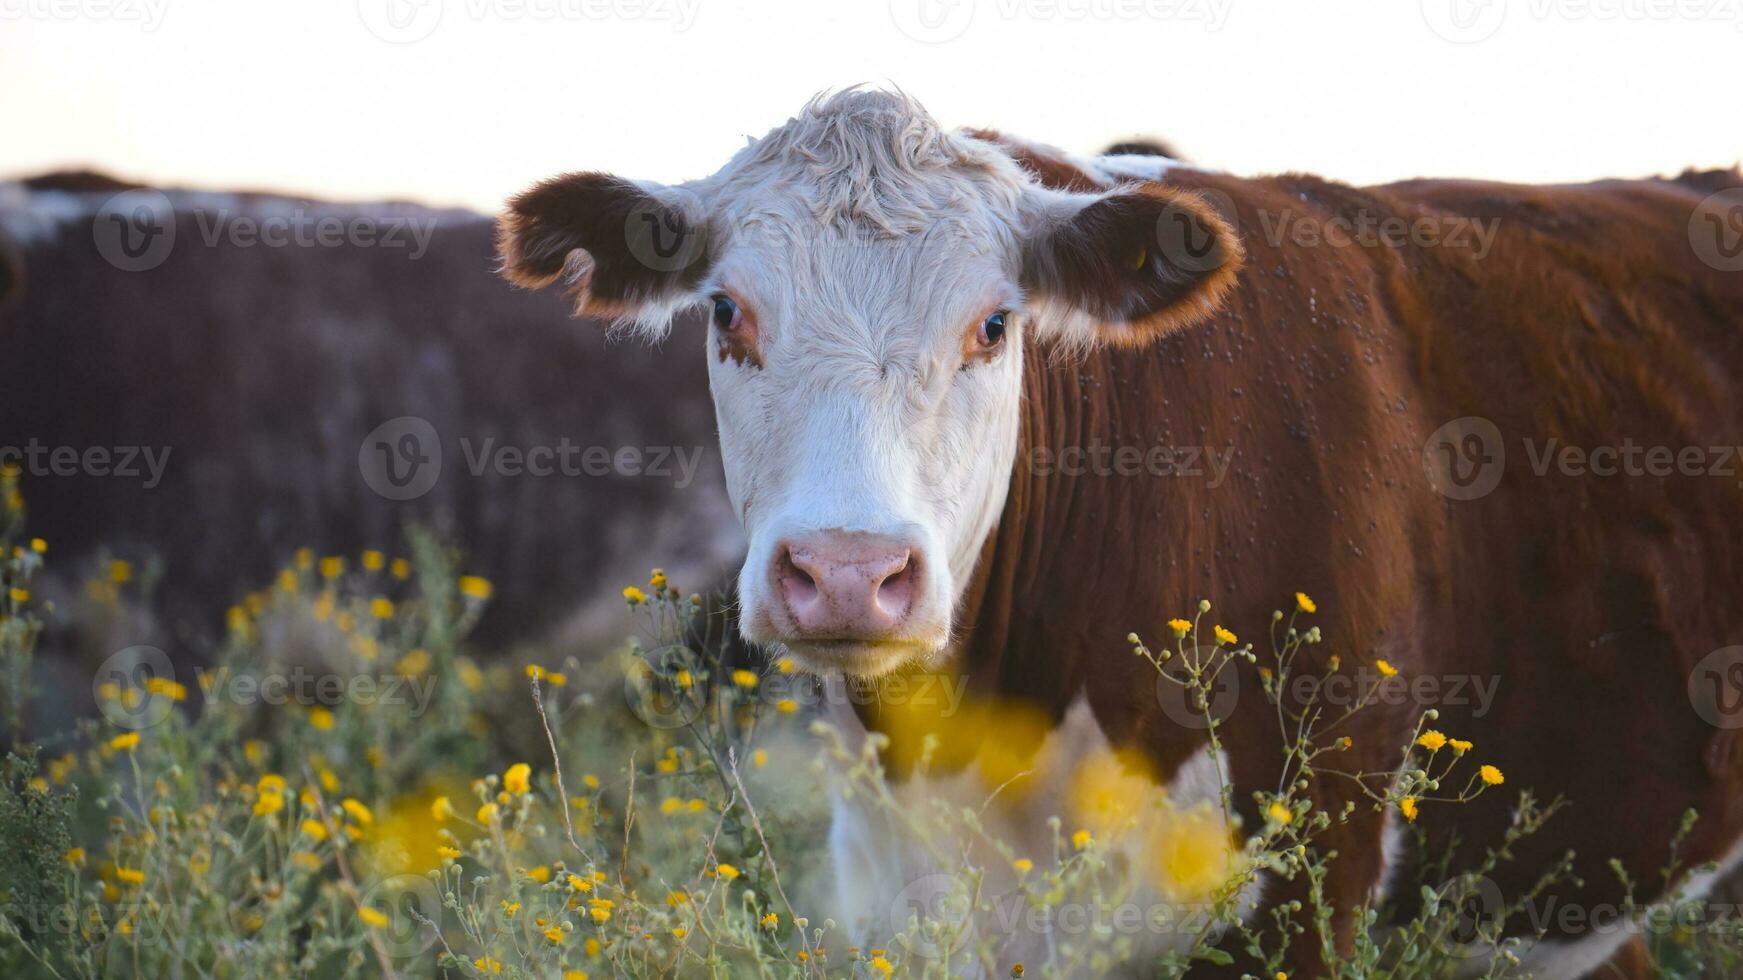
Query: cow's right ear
(624,251)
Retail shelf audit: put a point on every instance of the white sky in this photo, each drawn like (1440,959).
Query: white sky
(303,95)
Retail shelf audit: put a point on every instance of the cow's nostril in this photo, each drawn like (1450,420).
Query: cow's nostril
(896,591)
(798,583)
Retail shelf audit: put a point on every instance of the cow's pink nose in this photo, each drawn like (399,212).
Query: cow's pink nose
(841,585)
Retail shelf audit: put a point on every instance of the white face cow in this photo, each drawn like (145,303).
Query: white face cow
(871,279)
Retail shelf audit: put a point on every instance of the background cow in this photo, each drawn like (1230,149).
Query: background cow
(252,374)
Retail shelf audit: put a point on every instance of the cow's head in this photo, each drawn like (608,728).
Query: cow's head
(871,281)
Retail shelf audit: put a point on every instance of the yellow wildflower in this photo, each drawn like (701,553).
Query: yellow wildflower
(1385,669)
(1023,865)
(1223,635)
(634,596)
(1431,740)
(675,899)
(371,917)
(540,874)
(726,871)
(475,587)
(1407,806)
(485,964)
(400,568)
(441,809)
(74,857)
(357,810)
(381,607)
(332,566)
(518,778)
(1280,813)
(315,829)
(1303,603)
(1081,839)
(125,743)
(744,678)
(554,934)
(38,545)
(268,804)
(1180,626)
(130,876)
(321,718)
(1491,775)
(120,572)
(1459,745)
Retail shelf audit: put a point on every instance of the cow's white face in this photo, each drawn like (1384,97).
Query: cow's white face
(870,280)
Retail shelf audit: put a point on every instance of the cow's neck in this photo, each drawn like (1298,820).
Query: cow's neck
(1062,578)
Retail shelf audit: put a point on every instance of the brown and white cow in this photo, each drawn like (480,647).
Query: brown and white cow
(907,319)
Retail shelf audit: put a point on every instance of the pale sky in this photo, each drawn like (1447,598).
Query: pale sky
(467,101)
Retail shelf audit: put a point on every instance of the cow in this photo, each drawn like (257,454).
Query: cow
(232,384)
(913,328)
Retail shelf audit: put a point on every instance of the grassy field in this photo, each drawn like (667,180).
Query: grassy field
(351,789)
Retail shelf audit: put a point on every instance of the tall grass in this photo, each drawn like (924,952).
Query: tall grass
(350,789)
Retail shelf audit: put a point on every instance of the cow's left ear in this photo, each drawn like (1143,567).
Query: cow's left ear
(1127,267)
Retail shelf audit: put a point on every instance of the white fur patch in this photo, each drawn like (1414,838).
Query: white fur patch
(883,872)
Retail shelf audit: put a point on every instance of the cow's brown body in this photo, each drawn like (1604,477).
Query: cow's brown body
(1590,598)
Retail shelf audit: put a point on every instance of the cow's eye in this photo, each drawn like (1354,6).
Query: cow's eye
(725,313)
(992,329)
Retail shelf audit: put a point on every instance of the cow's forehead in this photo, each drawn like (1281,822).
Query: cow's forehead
(873,162)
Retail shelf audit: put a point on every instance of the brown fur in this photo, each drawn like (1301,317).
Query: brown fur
(1053,171)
